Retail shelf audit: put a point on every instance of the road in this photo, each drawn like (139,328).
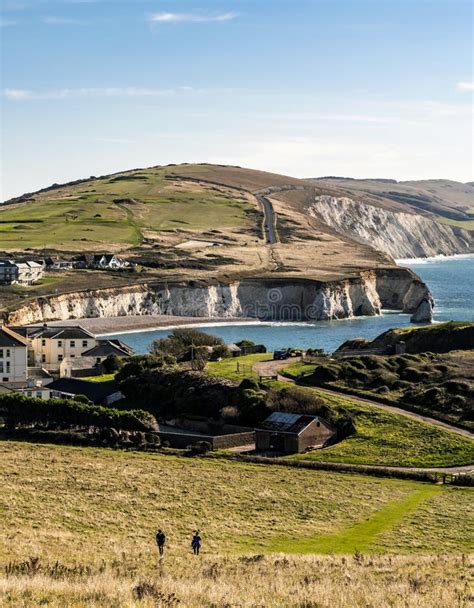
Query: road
(270,231)
(273,367)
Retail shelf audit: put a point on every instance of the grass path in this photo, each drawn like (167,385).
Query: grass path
(363,535)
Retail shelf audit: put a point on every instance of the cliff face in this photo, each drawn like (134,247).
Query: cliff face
(401,235)
(268,299)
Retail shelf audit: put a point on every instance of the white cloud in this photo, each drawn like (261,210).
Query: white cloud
(190,17)
(466,86)
(25,94)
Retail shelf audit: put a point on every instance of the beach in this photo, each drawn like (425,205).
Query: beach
(131,324)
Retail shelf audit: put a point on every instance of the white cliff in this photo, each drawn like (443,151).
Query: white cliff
(266,298)
(401,235)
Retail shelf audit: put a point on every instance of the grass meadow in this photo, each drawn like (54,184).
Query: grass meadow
(382,438)
(78,530)
(115,211)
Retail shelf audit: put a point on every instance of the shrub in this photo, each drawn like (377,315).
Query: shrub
(182,341)
(112,364)
(201,447)
(384,378)
(67,413)
(220,352)
(323,373)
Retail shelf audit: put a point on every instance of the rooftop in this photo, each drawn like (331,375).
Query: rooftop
(284,422)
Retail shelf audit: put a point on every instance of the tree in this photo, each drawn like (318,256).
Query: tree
(182,341)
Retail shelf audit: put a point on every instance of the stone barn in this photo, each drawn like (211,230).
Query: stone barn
(292,433)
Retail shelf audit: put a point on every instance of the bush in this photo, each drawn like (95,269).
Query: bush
(66,413)
(112,364)
(323,373)
(182,341)
(200,447)
(384,378)
(220,352)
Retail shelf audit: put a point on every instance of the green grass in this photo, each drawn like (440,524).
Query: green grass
(466,224)
(362,536)
(237,368)
(102,378)
(157,205)
(92,504)
(388,439)
(382,438)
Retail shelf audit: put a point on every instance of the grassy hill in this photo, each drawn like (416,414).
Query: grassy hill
(96,544)
(382,438)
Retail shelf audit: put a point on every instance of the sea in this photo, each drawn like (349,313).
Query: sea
(450,279)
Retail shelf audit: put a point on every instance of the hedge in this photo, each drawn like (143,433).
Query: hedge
(20,410)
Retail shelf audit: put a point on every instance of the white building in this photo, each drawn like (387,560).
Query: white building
(13,356)
(49,346)
(23,273)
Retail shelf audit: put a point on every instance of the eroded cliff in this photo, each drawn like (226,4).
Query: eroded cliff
(270,299)
(401,235)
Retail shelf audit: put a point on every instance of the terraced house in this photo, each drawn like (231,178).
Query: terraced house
(13,356)
(49,346)
(23,273)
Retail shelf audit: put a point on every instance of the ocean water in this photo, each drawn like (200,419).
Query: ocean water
(451,281)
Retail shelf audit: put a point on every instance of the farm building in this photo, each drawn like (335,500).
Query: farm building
(292,433)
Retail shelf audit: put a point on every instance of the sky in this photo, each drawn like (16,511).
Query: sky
(359,88)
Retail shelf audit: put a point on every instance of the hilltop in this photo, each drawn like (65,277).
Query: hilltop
(213,224)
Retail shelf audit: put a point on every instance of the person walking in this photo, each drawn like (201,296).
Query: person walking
(160,541)
(196,542)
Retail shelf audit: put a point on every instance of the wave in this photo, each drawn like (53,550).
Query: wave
(435,258)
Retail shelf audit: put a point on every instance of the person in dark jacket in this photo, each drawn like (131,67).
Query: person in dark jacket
(160,541)
(196,543)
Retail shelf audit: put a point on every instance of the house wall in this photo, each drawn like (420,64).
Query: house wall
(13,363)
(291,443)
(317,433)
(50,353)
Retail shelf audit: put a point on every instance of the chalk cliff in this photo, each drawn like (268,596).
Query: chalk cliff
(401,235)
(270,299)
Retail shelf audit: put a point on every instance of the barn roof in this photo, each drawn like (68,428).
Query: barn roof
(284,422)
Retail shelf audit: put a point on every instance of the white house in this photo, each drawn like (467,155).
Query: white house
(108,261)
(23,273)
(13,356)
(49,346)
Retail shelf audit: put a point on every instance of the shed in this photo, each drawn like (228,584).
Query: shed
(292,433)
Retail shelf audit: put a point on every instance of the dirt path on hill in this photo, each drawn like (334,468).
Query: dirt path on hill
(273,367)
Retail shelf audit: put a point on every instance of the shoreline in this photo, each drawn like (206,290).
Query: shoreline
(435,258)
(107,326)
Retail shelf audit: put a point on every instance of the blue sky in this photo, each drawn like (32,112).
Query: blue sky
(362,88)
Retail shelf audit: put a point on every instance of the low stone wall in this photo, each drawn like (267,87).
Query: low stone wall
(218,442)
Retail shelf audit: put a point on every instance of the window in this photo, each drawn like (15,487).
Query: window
(8,367)
(72,356)
(39,394)
(43,342)
(72,343)
(84,343)
(29,393)
(43,358)
(1,367)
(60,343)
(7,352)
(5,379)
(60,357)
(1,353)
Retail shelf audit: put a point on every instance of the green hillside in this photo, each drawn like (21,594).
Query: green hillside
(119,210)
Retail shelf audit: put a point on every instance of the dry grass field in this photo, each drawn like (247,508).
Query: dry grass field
(78,530)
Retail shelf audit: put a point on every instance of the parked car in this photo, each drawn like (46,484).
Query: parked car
(282,354)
